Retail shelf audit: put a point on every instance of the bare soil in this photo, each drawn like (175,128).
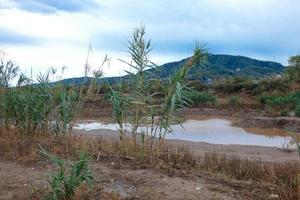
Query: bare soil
(122,180)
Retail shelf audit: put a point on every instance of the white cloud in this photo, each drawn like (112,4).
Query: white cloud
(259,28)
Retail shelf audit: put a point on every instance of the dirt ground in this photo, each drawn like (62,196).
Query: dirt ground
(120,178)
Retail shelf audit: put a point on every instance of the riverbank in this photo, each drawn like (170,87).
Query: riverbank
(244,118)
(272,154)
(185,170)
(182,170)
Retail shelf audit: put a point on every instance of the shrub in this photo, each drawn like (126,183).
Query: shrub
(38,108)
(236,84)
(297,111)
(284,113)
(8,71)
(63,185)
(283,103)
(234,100)
(271,85)
(263,98)
(200,98)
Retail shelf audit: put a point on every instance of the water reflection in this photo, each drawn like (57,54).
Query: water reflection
(215,131)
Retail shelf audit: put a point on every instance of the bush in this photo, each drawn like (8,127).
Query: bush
(289,100)
(35,109)
(236,84)
(281,104)
(271,85)
(64,186)
(284,113)
(297,111)
(200,98)
(234,100)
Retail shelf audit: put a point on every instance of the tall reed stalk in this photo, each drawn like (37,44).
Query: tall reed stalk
(38,108)
(137,110)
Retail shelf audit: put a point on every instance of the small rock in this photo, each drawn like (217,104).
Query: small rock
(197,188)
(274,196)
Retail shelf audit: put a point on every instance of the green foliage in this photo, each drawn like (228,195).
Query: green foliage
(284,113)
(137,105)
(234,85)
(200,98)
(297,110)
(283,103)
(64,182)
(291,99)
(120,106)
(68,106)
(234,100)
(8,71)
(38,108)
(272,85)
(293,70)
(225,66)
(27,108)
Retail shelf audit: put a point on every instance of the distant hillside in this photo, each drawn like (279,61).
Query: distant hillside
(216,67)
(222,66)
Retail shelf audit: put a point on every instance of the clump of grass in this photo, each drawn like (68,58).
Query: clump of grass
(34,109)
(297,110)
(284,177)
(233,100)
(279,103)
(63,185)
(199,99)
(8,71)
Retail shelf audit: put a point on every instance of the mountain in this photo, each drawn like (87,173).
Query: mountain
(216,67)
(223,66)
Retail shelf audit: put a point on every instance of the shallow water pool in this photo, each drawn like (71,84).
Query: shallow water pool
(214,131)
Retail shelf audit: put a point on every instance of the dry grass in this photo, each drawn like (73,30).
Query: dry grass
(277,178)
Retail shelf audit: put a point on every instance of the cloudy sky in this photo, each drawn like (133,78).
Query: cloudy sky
(38,34)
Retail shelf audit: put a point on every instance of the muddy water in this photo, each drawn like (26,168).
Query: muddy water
(215,131)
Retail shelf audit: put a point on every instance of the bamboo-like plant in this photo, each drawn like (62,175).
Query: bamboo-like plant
(8,71)
(38,108)
(138,110)
(64,185)
(67,102)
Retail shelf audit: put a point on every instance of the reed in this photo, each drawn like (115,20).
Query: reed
(34,109)
(136,109)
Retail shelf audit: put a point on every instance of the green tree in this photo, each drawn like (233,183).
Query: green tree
(293,69)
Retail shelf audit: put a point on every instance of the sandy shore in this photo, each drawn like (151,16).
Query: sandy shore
(273,154)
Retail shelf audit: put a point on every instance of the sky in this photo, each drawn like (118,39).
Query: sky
(38,34)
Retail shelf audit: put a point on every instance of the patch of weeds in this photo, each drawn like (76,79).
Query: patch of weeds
(64,183)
